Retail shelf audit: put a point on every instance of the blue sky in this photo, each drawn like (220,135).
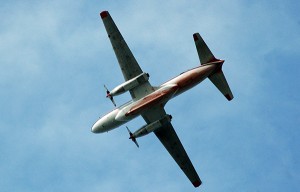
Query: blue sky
(55,58)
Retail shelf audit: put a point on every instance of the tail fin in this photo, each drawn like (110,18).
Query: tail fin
(206,57)
(204,53)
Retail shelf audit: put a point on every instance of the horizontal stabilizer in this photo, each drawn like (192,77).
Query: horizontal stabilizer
(204,53)
(219,80)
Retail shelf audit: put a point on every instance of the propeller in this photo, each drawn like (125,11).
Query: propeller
(108,95)
(132,137)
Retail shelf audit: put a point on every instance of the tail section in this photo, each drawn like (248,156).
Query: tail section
(206,57)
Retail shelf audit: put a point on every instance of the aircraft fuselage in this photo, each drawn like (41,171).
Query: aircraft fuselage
(161,96)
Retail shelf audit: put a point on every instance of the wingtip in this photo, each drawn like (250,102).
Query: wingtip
(197,183)
(104,14)
(195,36)
(229,97)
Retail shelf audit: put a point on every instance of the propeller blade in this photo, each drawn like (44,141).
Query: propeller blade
(108,95)
(136,143)
(107,92)
(128,131)
(106,88)
(132,137)
(112,100)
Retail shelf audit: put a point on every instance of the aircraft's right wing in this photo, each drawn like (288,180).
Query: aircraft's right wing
(170,140)
(128,64)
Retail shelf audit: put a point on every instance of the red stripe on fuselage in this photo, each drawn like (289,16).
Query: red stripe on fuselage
(191,78)
(151,100)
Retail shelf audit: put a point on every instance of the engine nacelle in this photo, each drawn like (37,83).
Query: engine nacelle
(130,84)
(146,129)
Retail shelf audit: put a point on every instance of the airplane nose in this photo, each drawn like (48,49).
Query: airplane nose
(93,128)
(96,127)
(106,123)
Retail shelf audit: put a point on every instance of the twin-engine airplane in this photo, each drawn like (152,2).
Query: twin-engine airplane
(149,101)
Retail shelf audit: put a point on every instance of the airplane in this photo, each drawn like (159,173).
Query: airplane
(148,101)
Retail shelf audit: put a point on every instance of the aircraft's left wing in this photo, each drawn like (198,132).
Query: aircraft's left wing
(128,64)
(170,140)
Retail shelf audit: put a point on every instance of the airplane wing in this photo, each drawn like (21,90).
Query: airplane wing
(170,140)
(128,64)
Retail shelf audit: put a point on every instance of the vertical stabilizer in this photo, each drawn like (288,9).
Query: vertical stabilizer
(204,53)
